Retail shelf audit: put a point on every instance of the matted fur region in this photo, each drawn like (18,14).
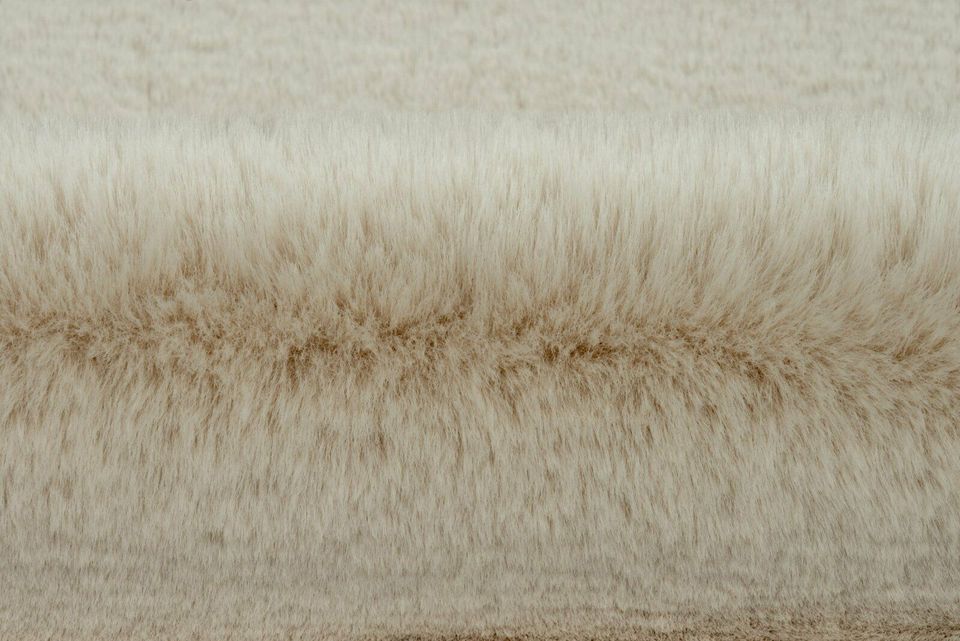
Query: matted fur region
(481,377)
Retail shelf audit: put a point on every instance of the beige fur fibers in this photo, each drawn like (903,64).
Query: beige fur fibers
(457,377)
(278,365)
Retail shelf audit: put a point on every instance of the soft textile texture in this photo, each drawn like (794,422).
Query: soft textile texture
(217,57)
(462,320)
(471,375)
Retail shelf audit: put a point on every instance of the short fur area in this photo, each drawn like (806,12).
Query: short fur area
(470,378)
(264,57)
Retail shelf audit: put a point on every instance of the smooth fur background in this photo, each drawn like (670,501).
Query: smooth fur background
(264,57)
(569,377)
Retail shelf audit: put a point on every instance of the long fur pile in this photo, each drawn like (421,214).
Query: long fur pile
(357,377)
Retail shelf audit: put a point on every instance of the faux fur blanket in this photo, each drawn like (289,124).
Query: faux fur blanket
(409,376)
(464,376)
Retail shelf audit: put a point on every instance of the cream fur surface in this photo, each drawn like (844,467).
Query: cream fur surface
(455,320)
(424,377)
(260,57)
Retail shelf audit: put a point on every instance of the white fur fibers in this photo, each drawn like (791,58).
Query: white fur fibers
(263,57)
